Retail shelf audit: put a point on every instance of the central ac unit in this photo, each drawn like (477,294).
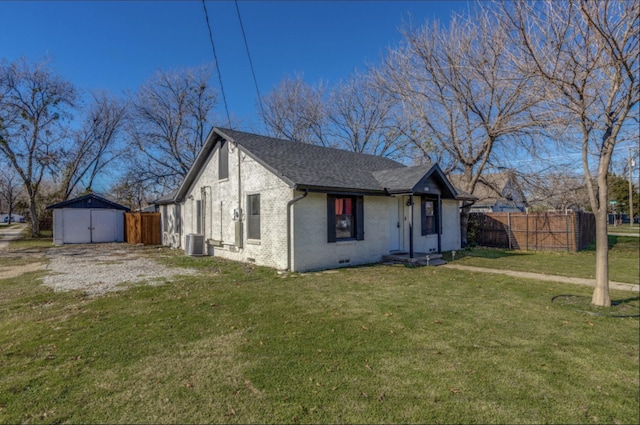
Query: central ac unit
(194,245)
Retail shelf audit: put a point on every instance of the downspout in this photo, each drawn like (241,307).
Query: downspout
(289,241)
(240,238)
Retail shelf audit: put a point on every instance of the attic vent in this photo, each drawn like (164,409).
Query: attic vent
(194,245)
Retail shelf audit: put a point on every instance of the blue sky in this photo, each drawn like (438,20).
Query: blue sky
(117,45)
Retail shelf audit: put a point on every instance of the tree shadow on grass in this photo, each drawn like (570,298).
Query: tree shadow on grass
(628,307)
(493,253)
(624,243)
(626,301)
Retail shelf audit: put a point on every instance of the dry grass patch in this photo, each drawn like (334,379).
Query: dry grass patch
(169,387)
(7,272)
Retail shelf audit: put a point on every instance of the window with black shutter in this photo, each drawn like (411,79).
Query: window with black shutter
(429,216)
(345,218)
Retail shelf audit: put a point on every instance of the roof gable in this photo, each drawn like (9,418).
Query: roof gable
(416,179)
(90,200)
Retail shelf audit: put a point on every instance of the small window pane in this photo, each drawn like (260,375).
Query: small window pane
(223,161)
(253,217)
(345,228)
(430,218)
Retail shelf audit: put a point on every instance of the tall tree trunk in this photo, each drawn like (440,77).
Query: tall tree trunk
(464,225)
(35,223)
(601,293)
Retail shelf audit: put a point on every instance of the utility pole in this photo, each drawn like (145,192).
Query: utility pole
(631,165)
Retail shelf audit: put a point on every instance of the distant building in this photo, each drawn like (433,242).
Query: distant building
(496,192)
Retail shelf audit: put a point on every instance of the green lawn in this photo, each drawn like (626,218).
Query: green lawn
(240,344)
(624,263)
(625,228)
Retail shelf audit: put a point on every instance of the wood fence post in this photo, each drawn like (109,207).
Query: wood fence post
(509,229)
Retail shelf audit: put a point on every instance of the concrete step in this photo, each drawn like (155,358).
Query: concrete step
(437,262)
(434,256)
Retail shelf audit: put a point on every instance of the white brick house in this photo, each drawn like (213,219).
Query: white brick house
(299,207)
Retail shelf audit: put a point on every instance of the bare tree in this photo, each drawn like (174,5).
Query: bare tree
(33,103)
(130,191)
(459,85)
(364,118)
(586,53)
(169,120)
(558,190)
(93,146)
(295,110)
(10,189)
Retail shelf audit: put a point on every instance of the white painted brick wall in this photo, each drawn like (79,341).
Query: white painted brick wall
(313,252)
(222,198)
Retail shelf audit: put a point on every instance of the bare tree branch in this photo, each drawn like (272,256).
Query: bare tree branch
(168,120)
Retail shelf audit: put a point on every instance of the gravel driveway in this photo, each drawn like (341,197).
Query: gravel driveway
(101,268)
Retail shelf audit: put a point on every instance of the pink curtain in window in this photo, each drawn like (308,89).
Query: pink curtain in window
(343,206)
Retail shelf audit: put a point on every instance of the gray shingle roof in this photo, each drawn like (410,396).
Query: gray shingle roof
(306,165)
(402,179)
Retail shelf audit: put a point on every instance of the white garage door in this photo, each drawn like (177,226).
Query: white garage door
(76,225)
(103,226)
(89,226)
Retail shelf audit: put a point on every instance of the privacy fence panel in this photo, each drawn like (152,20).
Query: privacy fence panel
(571,231)
(144,228)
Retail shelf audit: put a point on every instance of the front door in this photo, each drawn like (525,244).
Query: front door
(396,225)
(408,221)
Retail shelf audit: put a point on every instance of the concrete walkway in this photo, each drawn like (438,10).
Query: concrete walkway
(633,235)
(9,234)
(545,277)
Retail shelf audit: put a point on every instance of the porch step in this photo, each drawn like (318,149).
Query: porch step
(419,258)
(436,262)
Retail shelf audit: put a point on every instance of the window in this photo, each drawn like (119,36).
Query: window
(253,217)
(429,216)
(198,216)
(345,218)
(223,160)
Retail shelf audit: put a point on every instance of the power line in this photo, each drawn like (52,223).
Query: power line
(215,57)
(246,45)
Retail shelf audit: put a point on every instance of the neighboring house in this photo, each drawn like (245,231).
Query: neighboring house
(496,192)
(88,219)
(299,207)
(15,218)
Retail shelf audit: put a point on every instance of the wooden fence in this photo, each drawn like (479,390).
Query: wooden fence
(571,231)
(142,228)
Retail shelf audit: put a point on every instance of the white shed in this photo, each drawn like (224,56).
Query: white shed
(88,219)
